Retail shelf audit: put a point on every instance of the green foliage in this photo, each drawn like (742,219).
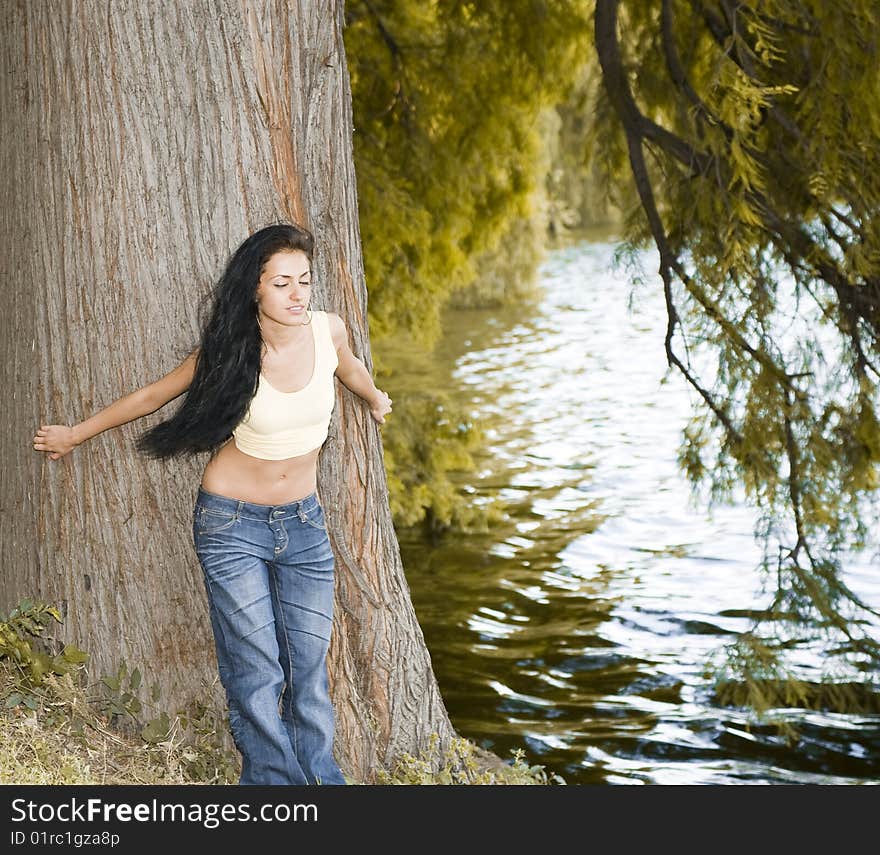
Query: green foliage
(451,105)
(742,139)
(20,634)
(580,195)
(198,730)
(431,438)
(751,674)
(506,272)
(54,689)
(461,762)
(63,729)
(748,135)
(447,147)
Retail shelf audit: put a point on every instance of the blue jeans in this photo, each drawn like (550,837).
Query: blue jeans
(269,573)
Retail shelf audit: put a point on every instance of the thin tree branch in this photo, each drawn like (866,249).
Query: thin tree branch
(635,128)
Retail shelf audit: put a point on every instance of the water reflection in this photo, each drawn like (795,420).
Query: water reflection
(579,629)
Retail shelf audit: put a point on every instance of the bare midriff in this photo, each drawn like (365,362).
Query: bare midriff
(232,473)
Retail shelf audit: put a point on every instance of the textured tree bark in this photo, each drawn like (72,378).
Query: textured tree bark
(141,142)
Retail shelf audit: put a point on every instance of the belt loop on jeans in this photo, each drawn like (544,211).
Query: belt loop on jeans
(239,509)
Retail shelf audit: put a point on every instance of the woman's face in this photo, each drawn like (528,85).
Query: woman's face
(285,289)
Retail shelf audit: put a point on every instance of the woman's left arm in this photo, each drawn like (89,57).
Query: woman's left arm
(353,373)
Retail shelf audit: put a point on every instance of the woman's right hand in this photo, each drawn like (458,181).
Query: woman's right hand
(57,440)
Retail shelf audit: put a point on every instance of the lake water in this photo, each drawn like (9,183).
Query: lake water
(579,631)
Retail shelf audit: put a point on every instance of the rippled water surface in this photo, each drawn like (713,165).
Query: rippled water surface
(580,631)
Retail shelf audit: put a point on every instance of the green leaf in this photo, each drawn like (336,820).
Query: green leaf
(157,729)
(74,655)
(13,700)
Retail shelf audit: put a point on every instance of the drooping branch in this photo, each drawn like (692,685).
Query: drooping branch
(856,303)
(810,257)
(679,75)
(636,126)
(865,303)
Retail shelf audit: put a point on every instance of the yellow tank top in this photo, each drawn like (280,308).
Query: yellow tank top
(277,424)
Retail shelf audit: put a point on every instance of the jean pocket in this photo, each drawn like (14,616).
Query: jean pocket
(315,518)
(210,521)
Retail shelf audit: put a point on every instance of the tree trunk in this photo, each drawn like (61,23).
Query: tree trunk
(141,142)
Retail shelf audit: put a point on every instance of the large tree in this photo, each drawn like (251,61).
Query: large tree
(141,142)
(750,133)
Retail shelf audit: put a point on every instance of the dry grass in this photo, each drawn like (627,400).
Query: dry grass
(63,739)
(58,727)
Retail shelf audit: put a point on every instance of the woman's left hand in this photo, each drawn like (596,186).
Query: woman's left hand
(381,406)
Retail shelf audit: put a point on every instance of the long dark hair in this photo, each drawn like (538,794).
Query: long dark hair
(228,363)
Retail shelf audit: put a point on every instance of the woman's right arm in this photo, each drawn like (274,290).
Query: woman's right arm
(59,440)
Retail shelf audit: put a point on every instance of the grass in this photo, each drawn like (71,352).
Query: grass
(59,726)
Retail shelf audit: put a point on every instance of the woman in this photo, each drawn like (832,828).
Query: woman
(260,394)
